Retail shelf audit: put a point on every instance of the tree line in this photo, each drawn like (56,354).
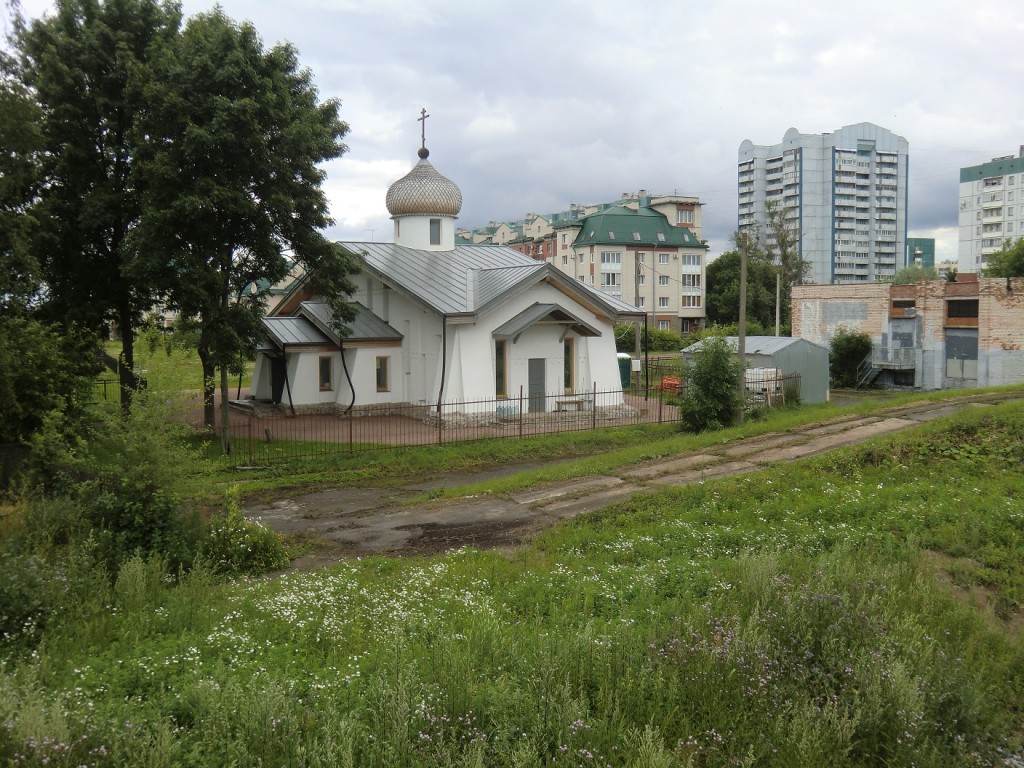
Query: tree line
(150,160)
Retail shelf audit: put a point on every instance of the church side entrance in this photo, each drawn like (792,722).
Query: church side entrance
(536,385)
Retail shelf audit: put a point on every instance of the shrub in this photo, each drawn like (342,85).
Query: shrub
(237,546)
(846,352)
(711,398)
(124,474)
(651,339)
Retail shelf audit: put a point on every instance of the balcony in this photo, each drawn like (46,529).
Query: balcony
(892,358)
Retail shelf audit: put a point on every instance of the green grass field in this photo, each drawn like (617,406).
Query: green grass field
(860,609)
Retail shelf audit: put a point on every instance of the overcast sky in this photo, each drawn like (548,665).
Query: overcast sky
(536,105)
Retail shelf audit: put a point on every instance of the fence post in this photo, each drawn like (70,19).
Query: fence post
(440,423)
(661,400)
(520,410)
(593,406)
(351,447)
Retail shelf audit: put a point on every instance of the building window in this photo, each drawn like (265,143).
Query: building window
(500,368)
(691,301)
(580,278)
(565,259)
(568,364)
(662,279)
(641,279)
(663,258)
(609,279)
(663,302)
(642,301)
(383,380)
(691,259)
(691,281)
(611,257)
(640,257)
(564,237)
(435,231)
(684,217)
(962,308)
(326,374)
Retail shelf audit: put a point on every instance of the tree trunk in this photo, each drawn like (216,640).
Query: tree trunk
(209,387)
(225,437)
(126,366)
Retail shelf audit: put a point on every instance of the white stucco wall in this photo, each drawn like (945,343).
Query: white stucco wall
(416,367)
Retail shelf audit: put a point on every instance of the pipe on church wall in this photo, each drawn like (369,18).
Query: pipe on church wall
(444,360)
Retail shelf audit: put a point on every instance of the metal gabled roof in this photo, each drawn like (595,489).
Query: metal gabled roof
(758,345)
(542,312)
(492,283)
(471,278)
(365,326)
(293,331)
(444,280)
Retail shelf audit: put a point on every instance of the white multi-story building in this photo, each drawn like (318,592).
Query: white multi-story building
(991,209)
(843,196)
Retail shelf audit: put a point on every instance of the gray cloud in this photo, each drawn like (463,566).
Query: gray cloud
(536,105)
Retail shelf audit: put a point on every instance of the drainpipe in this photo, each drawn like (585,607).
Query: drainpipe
(348,378)
(287,386)
(444,360)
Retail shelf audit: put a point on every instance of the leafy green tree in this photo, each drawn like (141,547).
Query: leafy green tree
(21,141)
(711,398)
(231,179)
(776,247)
(783,250)
(846,352)
(87,65)
(42,369)
(1007,262)
(914,274)
(722,295)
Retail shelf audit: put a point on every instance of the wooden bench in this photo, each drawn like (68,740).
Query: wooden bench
(576,403)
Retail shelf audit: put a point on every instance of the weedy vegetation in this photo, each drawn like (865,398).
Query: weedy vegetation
(860,609)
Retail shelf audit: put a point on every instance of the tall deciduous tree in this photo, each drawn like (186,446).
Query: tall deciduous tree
(722,296)
(1007,262)
(777,247)
(235,135)
(20,154)
(87,66)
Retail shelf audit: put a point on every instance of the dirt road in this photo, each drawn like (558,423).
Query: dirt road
(348,522)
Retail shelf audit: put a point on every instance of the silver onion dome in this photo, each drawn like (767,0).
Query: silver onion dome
(423,191)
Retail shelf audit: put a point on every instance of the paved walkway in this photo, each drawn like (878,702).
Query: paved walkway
(365,521)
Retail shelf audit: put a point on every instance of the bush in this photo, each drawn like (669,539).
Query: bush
(124,474)
(711,398)
(651,339)
(237,546)
(845,354)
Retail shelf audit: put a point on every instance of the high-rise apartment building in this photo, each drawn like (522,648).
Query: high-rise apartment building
(990,209)
(842,194)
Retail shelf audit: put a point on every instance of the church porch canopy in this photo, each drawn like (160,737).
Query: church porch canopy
(543,313)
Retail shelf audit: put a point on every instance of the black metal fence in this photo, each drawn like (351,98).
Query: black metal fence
(263,435)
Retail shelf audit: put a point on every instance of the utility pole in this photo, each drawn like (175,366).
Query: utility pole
(741,346)
(778,299)
(636,303)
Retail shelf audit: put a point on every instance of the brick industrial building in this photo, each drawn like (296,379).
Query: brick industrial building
(931,335)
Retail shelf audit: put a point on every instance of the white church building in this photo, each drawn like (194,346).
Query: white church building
(441,323)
